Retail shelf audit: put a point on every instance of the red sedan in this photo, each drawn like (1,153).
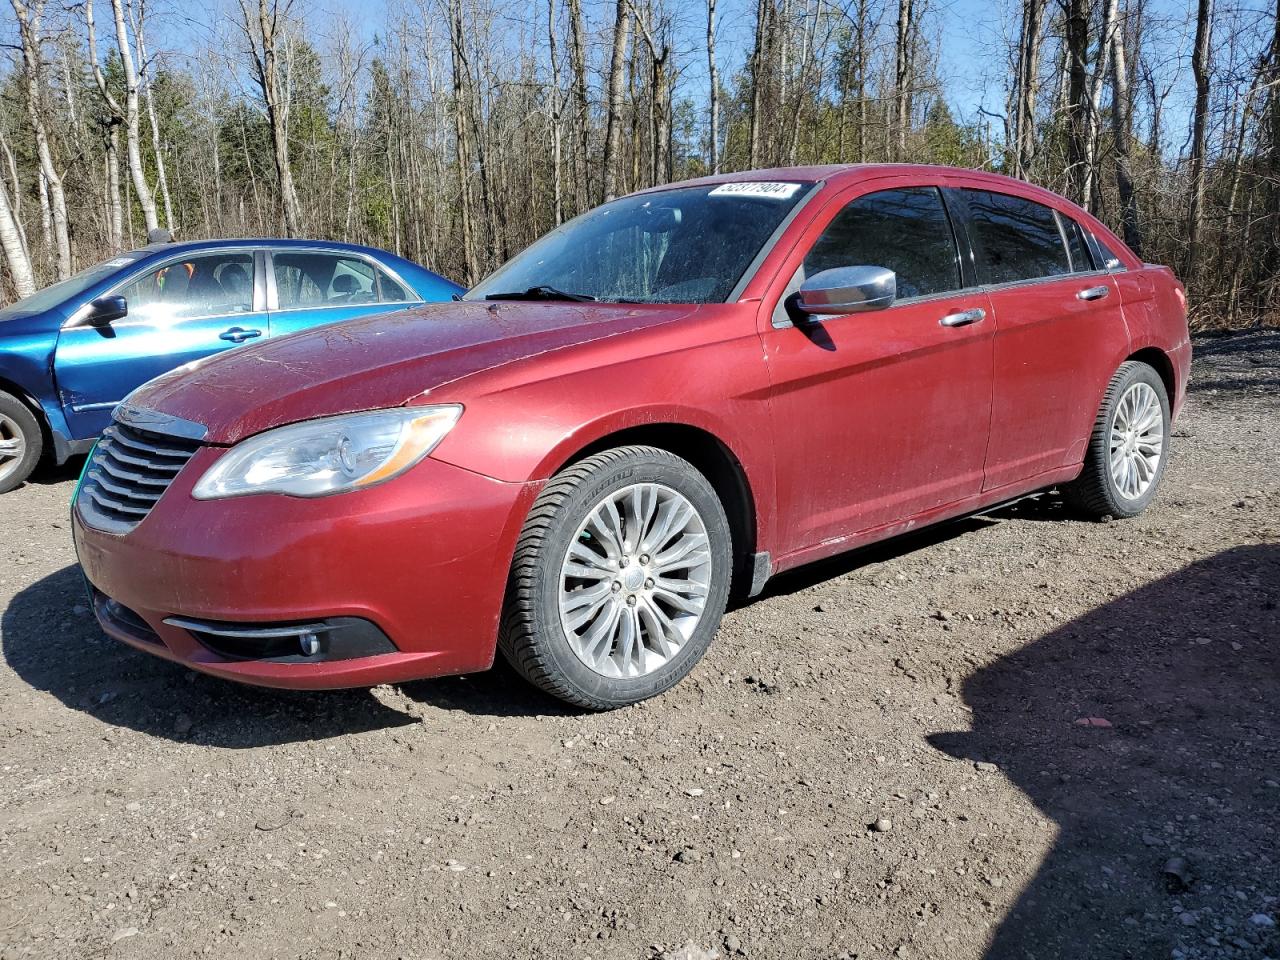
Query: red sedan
(678,394)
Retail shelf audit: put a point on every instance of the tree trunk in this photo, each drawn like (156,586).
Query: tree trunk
(714,151)
(903,74)
(461,130)
(557,126)
(1077,98)
(613,117)
(264,36)
(32,72)
(115,209)
(1199,125)
(582,119)
(1122,131)
(162,177)
(763,27)
(1026,87)
(137,172)
(16,260)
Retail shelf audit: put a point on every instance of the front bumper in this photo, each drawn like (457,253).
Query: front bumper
(422,559)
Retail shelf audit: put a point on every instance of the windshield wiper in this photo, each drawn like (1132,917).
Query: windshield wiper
(542,292)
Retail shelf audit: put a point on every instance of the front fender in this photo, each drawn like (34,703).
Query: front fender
(526,432)
(26,370)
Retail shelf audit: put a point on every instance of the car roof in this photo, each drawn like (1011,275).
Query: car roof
(191,246)
(840,174)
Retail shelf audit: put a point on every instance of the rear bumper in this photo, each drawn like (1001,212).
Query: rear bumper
(422,559)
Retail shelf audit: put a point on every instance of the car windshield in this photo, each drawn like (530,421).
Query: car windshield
(687,245)
(68,289)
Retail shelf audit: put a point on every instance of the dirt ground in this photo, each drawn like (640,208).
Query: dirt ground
(1069,731)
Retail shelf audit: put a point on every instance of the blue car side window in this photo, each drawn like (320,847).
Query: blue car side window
(316,280)
(203,286)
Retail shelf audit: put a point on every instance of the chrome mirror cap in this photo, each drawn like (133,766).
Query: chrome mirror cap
(848,290)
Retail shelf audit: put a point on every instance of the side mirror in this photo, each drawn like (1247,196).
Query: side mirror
(848,290)
(100,312)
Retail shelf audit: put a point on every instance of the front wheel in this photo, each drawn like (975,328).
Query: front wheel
(620,578)
(1126,457)
(20,442)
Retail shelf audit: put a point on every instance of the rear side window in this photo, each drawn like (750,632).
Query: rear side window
(1015,239)
(1109,259)
(906,231)
(1081,262)
(330,280)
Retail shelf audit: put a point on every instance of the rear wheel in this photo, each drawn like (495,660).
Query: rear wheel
(20,442)
(1126,458)
(619,580)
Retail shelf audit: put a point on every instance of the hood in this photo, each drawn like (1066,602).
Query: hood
(381,361)
(15,322)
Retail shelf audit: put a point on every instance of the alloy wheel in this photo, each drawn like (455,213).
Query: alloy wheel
(1137,441)
(635,579)
(13,446)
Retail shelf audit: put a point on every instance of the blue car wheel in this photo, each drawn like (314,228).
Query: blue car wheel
(21,442)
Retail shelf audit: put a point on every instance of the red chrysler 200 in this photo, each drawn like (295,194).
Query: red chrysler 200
(679,393)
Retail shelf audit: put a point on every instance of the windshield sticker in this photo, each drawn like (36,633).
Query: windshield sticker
(768,189)
(119,262)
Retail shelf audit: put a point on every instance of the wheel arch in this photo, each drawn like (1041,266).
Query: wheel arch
(27,399)
(713,458)
(1160,361)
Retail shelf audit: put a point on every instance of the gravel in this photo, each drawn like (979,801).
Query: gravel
(935,683)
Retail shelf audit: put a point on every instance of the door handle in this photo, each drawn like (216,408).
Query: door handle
(239,334)
(1094,293)
(963,318)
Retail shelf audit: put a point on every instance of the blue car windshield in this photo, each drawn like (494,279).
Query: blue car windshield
(687,245)
(68,289)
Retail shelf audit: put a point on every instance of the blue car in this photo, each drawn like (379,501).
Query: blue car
(71,352)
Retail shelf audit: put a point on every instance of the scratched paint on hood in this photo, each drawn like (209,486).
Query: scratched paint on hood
(380,361)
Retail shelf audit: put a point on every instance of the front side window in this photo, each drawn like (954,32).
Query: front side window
(1015,239)
(905,230)
(688,245)
(331,280)
(209,285)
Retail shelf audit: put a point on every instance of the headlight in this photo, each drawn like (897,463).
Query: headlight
(332,455)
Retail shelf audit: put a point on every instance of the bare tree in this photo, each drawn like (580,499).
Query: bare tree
(128,113)
(16,259)
(613,116)
(903,73)
(1199,124)
(714,147)
(1122,132)
(29,17)
(263,32)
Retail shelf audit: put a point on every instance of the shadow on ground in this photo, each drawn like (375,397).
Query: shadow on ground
(53,643)
(1186,672)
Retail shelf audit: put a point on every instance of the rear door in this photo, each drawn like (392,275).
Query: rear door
(186,308)
(307,288)
(1059,328)
(879,416)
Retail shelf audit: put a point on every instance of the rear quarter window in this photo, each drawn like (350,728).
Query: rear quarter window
(1015,239)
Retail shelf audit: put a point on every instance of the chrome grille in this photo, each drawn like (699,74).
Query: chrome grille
(129,471)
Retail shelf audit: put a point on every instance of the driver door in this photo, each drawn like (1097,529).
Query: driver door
(185,309)
(883,415)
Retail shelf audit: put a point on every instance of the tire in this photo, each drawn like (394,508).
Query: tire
(20,430)
(547,645)
(1097,492)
